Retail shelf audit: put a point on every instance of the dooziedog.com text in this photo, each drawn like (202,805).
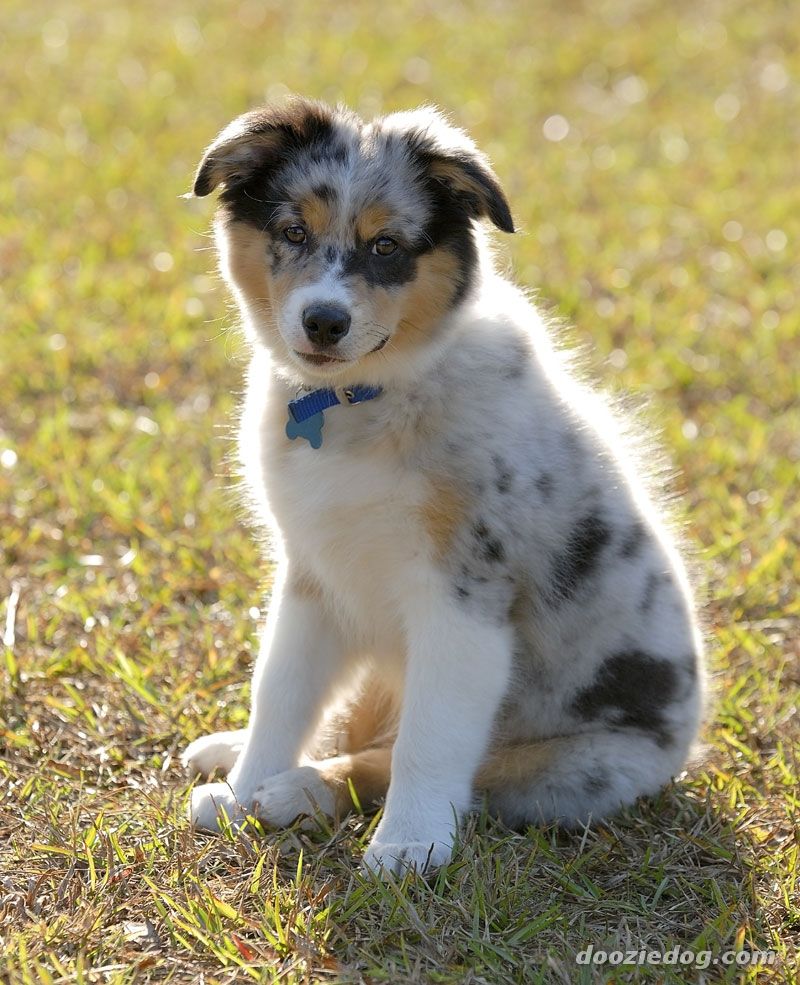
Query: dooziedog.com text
(674,956)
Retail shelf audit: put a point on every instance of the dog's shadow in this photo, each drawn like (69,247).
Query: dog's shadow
(672,871)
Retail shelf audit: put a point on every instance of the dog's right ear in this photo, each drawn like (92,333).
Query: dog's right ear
(260,139)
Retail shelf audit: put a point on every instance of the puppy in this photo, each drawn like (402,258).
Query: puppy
(475,595)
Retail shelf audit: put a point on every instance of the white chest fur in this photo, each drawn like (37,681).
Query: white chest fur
(348,513)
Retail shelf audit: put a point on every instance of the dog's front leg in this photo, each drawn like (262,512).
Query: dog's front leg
(457,673)
(300,656)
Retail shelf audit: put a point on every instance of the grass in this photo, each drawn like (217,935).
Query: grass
(664,225)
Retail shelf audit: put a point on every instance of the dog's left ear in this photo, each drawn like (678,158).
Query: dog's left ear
(449,157)
(259,139)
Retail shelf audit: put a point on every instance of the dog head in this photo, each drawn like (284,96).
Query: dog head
(348,243)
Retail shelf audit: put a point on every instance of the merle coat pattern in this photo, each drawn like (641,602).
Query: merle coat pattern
(476,596)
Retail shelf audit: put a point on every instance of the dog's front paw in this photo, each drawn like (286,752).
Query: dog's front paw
(399,857)
(214,805)
(217,751)
(421,846)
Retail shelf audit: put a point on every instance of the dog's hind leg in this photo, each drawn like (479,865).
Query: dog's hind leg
(571,779)
(333,786)
(347,766)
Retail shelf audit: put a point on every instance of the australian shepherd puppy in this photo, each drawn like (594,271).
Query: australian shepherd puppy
(476,597)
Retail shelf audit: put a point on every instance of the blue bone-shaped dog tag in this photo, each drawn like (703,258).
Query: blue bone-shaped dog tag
(310,429)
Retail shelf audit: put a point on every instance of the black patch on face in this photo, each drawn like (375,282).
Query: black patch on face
(394,270)
(632,690)
(330,254)
(650,588)
(503,476)
(544,483)
(634,541)
(579,558)
(490,547)
(249,204)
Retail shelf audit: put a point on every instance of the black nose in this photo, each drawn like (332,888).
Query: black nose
(325,324)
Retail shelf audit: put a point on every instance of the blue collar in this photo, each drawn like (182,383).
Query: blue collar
(306,413)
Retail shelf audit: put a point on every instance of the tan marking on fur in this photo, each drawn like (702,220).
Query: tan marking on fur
(364,718)
(316,214)
(427,298)
(369,772)
(372,220)
(443,513)
(246,264)
(513,765)
(364,729)
(371,719)
(452,172)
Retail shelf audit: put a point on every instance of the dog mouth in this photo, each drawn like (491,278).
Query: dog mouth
(319,358)
(326,359)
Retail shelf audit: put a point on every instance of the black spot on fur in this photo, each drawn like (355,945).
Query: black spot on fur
(517,357)
(468,575)
(461,592)
(325,192)
(595,783)
(494,551)
(650,588)
(513,371)
(544,483)
(490,547)
(323,152)
(502,475)
(634,541)
(572,443)
(632,690)
(330,254)
(579,558)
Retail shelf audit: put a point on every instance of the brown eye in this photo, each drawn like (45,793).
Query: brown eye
(295,234)
(383,246)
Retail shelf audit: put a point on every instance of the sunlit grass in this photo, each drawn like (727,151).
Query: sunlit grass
(650,153)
